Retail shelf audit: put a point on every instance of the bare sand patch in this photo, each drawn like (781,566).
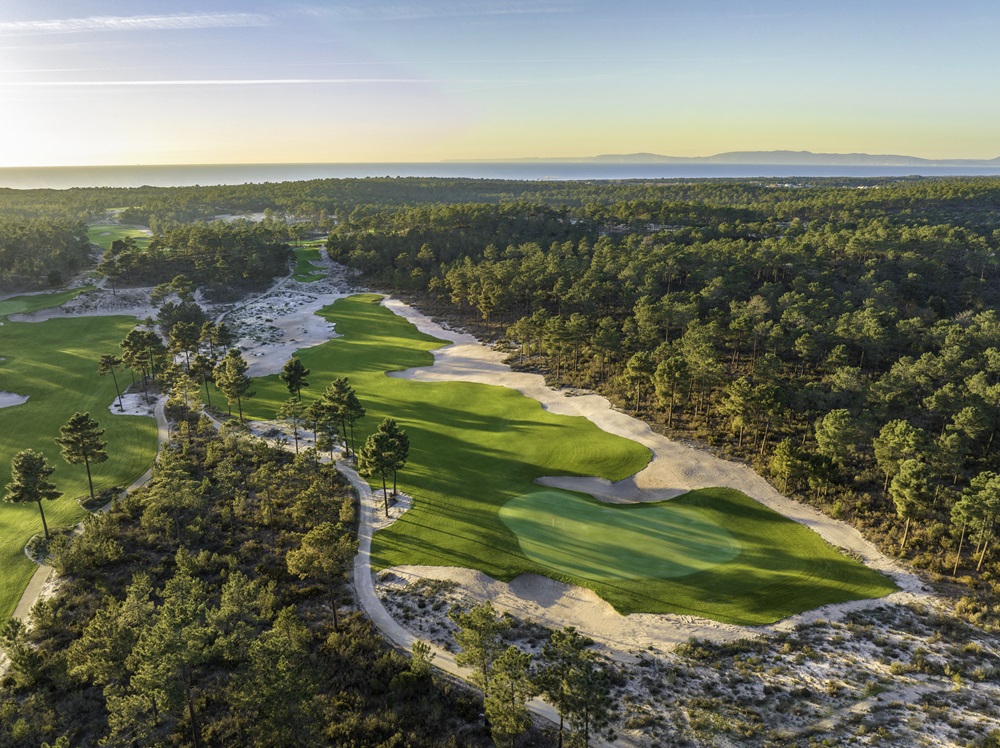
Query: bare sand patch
(557,604)
(398,506)
(272,327)
(134,404)
(10,399)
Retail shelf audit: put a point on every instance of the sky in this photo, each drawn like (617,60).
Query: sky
(147,82)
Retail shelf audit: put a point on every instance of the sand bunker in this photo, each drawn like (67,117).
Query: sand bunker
(9,399)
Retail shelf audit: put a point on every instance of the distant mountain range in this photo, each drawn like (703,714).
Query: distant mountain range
(785,158)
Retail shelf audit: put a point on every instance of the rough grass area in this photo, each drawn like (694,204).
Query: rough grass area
(475,448)
(55,364)
(102,235)
(34,302)
(305,271)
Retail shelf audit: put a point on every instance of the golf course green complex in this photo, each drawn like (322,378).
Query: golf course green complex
(475,453)
(54,364)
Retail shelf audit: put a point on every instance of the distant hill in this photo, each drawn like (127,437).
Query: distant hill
(790,158)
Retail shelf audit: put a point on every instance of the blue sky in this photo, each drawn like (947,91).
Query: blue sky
(224,82)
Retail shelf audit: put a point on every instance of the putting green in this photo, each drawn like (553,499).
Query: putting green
(579,536)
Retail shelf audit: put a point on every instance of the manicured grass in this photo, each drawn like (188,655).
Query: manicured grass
(55,364)
(782,567)
(103,234)
(34,302)
(475,449)
(305,271)
(580,536)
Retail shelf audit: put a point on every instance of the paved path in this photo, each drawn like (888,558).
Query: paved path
(372,605)
(34,589)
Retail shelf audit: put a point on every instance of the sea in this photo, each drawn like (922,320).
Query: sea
(65,177)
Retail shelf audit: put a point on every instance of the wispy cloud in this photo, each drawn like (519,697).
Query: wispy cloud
(410,12)
(134,23)
(223,82)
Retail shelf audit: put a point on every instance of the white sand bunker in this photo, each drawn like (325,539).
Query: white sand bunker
(134,404)
(8,399)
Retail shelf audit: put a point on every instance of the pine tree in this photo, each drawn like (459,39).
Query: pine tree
(292,411)
(107,365)
(203,366)
(324,555)
(231,378)
(577,685)
(506,706)
(376,458)
(80,442)
(400,449)
(478,635)
(29,473)
(294,376)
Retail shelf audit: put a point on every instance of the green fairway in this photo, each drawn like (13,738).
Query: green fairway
(586,538)
(103,234)
(476,448)
(34,302)
(305,271)
(54,363)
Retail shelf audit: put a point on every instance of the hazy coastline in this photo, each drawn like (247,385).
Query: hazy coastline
(66,177)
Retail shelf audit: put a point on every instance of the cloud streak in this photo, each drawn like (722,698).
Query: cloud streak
(178,22)
(223,82)
(416,11)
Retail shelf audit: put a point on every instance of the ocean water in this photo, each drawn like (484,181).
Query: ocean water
(209,174)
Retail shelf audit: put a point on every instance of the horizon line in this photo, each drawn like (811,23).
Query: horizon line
(654,159)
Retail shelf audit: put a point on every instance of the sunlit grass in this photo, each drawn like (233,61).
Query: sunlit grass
(102,235)
(54,363)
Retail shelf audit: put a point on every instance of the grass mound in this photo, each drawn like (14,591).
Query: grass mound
(476,448)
